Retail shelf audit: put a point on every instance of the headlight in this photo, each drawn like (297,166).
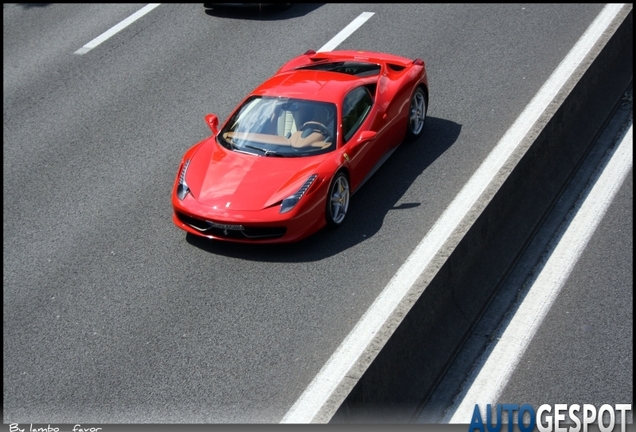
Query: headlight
(289,202)
(182,188)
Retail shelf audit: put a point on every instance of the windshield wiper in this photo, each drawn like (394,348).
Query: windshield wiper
(265,151)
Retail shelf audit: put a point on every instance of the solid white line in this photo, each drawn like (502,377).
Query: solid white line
(317,395)
(493,375)
(113,30)
(346,32)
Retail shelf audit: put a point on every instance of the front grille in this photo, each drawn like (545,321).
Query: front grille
(193,222)
(233,231)
(256,233)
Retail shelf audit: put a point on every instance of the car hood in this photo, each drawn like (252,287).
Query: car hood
(229,180)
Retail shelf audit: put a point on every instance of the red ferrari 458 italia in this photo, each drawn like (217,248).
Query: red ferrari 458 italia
(288,159)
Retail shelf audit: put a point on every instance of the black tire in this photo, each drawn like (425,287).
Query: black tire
(338,200)
(417,115)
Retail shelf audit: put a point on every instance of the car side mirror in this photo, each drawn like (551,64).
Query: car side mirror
(363,138)
(366,136)
(213,122)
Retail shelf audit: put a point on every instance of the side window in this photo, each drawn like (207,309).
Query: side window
(357,104)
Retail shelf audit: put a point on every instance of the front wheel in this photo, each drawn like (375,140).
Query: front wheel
(417,115)
(338,200)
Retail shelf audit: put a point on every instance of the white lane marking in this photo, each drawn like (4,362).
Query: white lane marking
(347,31)
(317,396)
(113,30)
(489,380)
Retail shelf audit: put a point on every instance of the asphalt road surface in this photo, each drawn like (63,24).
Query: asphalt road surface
(113,315)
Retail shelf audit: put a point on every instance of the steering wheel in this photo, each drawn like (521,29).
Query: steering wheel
(314,126)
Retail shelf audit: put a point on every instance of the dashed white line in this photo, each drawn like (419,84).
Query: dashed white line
(346,32)
(325,392)
(114,30)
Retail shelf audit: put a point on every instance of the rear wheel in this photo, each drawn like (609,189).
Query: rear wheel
(338,200)
(417,115)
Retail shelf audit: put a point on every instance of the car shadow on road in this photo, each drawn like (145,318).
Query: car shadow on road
(368,207)
(261,11)
(34,5)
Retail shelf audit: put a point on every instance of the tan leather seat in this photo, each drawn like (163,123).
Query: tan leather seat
(307,136)
(314,139)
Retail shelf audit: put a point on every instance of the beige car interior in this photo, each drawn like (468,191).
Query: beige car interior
(299,137)
(304,128)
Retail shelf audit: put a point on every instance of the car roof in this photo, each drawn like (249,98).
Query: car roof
(318,85)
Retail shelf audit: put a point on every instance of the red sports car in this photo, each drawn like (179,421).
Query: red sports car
(288,159)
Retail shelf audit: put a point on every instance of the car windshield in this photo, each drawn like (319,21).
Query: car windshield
(267,126)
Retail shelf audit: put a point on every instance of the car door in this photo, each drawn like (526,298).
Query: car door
(357,110)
